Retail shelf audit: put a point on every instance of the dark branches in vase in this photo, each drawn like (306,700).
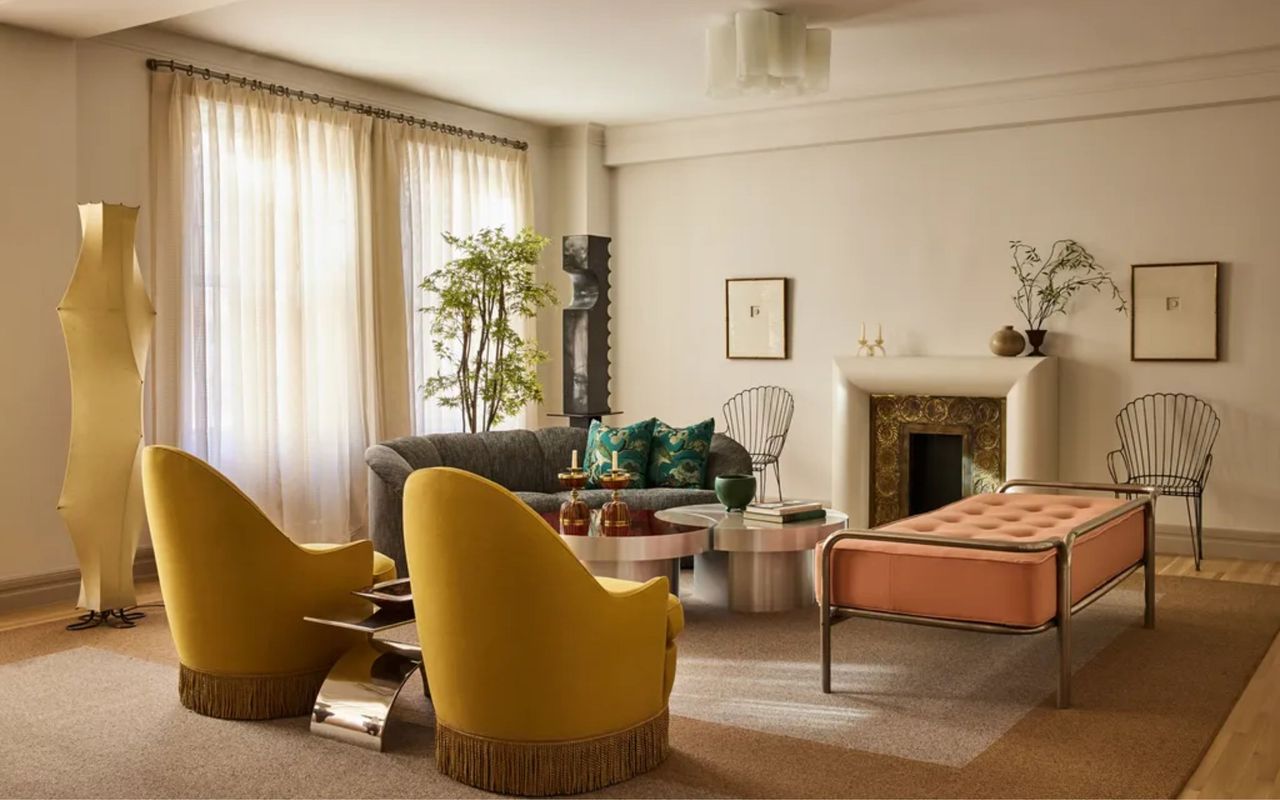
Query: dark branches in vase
(1046,285)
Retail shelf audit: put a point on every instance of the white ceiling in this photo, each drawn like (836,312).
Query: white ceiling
(81,19)
(625,61)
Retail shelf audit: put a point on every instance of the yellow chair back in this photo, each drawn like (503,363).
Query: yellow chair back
(520,642)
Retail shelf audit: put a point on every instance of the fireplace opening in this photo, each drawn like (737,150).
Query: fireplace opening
(935,471)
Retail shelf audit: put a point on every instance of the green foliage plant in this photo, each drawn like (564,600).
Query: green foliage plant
(487,369)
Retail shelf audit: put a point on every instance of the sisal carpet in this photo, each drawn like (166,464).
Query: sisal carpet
(917,712)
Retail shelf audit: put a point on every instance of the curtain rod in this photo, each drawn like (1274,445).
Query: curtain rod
(252,84)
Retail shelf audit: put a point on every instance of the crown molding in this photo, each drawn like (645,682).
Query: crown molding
(1220,79)
(591,134)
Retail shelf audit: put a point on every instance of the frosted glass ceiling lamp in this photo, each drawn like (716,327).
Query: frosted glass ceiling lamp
(765,51)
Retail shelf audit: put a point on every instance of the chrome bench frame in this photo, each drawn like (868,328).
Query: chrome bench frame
(831,614)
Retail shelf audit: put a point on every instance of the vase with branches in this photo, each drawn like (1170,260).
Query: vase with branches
(488,370)
(1046,285)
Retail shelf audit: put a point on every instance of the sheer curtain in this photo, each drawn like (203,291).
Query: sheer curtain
(457,186)
(288,242)
(270,308)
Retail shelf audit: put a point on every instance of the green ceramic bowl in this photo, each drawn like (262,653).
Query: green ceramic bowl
(735,491)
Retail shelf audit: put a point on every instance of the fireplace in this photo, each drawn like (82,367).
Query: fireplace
(937,469)
(1028,388)
(928,451)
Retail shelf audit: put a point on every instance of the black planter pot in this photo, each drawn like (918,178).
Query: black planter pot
(1035,338)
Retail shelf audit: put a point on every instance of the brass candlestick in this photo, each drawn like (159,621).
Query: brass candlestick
(575,517)
(615,516)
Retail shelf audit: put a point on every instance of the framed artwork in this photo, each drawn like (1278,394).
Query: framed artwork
(755,318)
(1175,312)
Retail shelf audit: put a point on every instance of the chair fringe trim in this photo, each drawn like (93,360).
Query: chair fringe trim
(248,696)
(545,768)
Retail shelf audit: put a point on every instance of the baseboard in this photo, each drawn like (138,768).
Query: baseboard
(1220,543)
(62,586)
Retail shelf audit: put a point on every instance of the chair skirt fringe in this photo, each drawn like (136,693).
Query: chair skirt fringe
(249,696)
(547,768)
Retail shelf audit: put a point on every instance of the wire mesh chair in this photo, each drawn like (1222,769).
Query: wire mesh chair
(758,419)
(1166,441)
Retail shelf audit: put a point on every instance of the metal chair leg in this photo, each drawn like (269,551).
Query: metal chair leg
(777,474)
(1200,529)
(1191,527)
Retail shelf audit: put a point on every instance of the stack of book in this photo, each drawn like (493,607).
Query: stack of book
(786,511)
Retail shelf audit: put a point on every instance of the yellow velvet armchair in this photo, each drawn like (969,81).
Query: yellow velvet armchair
(236,589)
(545,680)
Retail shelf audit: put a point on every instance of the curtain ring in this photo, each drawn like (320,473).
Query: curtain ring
(190,70)
(207,75)
(315,99)
(226,79)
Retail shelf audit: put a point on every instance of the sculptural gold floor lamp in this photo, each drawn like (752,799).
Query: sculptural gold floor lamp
(106,320)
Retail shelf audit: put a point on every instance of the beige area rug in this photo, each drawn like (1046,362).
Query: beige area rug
(918,712)
(927,694)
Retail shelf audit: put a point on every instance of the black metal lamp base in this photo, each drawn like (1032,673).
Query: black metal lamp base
(112,617)
(584,419)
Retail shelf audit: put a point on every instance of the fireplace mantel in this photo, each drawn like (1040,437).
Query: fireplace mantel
(1029,386)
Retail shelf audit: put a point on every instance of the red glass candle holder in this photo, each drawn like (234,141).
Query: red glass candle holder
(575,517)
(615,516)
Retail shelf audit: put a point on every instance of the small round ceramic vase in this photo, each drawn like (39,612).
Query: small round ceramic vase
(735,491)
(1007,342)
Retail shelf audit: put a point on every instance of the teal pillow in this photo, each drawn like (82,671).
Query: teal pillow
(678,456)
(630,443)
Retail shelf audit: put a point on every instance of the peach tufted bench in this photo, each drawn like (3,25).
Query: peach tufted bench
(1002,562)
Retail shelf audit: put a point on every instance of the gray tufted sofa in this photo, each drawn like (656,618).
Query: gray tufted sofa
(526,462)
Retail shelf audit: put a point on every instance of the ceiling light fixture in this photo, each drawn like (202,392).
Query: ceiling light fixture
(761,51)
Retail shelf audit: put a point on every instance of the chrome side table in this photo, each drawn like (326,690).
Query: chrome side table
(357,695)
(754,566)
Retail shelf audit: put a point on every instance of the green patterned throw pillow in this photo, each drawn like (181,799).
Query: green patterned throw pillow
(630,443)
(678,456)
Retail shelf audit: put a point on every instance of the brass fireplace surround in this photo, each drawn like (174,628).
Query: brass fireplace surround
(978,420)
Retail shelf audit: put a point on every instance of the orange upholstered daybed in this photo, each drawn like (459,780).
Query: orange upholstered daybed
(1001,563)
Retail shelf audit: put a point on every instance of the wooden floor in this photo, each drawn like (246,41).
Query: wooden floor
(1243,761)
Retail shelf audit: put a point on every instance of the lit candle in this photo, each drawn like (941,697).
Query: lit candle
(863,337)
(574,463)
(615,460)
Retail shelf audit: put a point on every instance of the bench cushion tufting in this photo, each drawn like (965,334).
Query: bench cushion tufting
(986,586)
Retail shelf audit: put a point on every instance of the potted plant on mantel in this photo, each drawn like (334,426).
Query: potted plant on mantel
(487,369)
(1045,286)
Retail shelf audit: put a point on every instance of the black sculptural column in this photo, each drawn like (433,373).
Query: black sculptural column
(586,330)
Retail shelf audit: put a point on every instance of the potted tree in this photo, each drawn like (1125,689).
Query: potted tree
(488,370)
(1045,286)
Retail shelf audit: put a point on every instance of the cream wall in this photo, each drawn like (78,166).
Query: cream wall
(75,129)
(39,236)
(913,232)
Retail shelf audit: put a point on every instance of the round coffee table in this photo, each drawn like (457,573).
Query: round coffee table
(754,566)
(649,551)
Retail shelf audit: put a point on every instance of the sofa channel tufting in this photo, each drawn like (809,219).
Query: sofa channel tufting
(525,461)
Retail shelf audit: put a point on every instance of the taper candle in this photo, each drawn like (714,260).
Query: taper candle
(863,336)
(574,463)
(615,459)
(879,332)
